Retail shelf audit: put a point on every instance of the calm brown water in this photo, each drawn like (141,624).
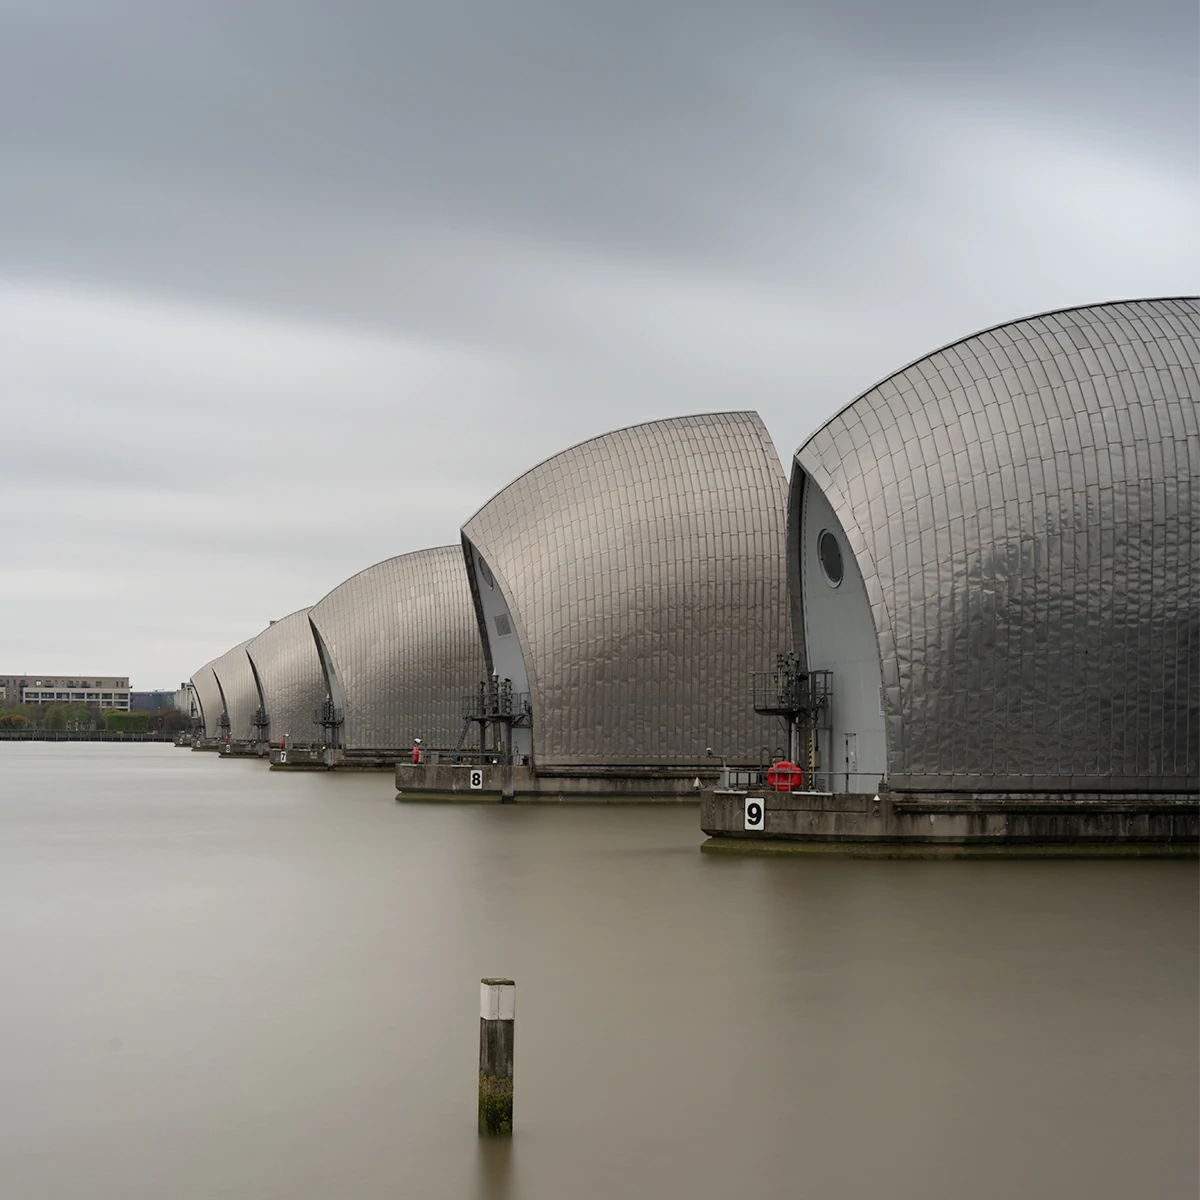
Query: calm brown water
(218,982)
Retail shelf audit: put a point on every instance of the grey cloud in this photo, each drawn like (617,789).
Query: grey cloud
(680,131)
(287,288)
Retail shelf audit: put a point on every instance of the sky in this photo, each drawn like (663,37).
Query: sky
(288,288)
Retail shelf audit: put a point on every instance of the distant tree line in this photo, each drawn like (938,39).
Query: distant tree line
(84,716)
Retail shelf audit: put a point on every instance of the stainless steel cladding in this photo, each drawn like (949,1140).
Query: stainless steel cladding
(240,692)
(208,695)
(1021,506)
(642,575)
(401,650)
(290,682)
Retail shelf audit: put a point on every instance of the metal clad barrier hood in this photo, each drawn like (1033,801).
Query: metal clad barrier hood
(208,695)
(404,646)
(1021,505)
(644,572)
(289,673)
(237,684)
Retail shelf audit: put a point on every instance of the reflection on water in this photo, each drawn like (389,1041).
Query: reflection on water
(495,1161)
(219,982)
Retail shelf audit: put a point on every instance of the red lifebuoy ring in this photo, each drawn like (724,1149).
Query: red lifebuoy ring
(785,777)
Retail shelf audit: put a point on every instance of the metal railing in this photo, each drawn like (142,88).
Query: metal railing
(466,756)
(742,777)
(330,717)
(788,691)
(495,700)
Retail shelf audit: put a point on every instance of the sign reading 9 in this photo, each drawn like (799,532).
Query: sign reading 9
(755,812)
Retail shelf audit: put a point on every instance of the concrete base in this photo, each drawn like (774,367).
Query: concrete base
(304,758)
(233,749)
(902,825)
(367,760)
(212,745)
(492,782)
(926,850)
(328,758)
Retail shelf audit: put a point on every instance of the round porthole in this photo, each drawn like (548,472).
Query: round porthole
(830,554)
(484,572)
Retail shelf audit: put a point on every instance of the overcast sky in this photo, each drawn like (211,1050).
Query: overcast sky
(287,287)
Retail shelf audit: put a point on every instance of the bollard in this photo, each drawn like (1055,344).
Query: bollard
(497,1011)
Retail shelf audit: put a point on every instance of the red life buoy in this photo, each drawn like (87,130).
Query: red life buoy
(416,755)
(785,777)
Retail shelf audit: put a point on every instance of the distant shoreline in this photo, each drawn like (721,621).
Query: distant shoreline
(82,735)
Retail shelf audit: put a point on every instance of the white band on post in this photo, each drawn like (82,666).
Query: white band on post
(498,1000)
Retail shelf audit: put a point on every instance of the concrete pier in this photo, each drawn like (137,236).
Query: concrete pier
(301,758)
(329,758)
(238,749)
(898,824)
(493,782)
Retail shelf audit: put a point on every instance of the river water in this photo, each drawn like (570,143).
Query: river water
(217,981)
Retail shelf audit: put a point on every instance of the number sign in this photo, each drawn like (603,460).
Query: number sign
(476,779)
(756,812)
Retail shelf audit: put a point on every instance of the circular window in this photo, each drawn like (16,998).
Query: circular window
(484,572)
(830,554)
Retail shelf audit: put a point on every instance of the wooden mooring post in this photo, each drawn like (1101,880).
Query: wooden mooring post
(497,1012)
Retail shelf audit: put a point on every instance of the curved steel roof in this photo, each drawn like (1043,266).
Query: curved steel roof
(239,691)
(208,696)
(1022,507)
(404,648)
(284,657)
(644,571)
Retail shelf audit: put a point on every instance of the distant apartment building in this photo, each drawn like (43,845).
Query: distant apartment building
(185,700)
(101,691)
